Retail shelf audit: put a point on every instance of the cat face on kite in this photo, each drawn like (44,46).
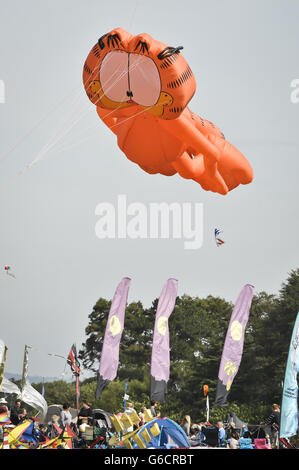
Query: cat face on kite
(123,71)
(138,82)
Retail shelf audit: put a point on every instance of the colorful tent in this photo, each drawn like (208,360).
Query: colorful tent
(160,433)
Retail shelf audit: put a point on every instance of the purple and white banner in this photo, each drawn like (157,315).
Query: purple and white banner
(160,362)
(114,328)
(233,345)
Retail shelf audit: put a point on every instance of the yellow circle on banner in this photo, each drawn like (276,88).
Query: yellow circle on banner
(236,330)
(230,368)
(115,326)
(162,325)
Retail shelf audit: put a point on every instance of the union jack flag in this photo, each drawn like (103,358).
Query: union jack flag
(72,360)
(218,240)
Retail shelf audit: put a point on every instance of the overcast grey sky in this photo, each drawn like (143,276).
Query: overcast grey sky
(244,55)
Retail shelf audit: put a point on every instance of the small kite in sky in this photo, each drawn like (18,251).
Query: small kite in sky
(217,239)
(8,271)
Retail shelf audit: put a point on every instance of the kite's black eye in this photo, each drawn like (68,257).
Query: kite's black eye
(168,51)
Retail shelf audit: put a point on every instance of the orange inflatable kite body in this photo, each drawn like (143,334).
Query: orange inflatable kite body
(141,88)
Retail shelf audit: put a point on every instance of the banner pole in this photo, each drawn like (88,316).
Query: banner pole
(77,394)
(125,396)
(25,369)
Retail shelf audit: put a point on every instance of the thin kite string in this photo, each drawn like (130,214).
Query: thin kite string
(47,147)
(76,90)
(59,104)
(61,149)
(86,138)
(50,144)
(65,118)
(63,132)
(133,15)
(100,97)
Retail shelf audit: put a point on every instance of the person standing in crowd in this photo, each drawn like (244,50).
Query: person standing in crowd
(152,408)
(141,415)
(196,437)
(82,429)
(15,412)
(274,417)
(85,412)
(233,441)
(52,426)
(23,415)
(3,406)
(273,420)
(65,415)
(221,431)
(186,424)
(129,408)
(244,429)
(128,411)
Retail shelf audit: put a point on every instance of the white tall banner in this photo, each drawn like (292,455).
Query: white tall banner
(208,408)
(9,387)
(35,399)
(2,349)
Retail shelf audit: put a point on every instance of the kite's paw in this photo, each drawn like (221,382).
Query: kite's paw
(233,166)
(213,181)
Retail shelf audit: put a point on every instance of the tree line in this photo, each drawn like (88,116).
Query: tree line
(197,330)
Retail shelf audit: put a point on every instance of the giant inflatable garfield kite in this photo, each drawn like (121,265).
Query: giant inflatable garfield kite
(141,88)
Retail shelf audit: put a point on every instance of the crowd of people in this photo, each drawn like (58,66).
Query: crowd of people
(232,434)
(58,422)
(17,413)
(79,424)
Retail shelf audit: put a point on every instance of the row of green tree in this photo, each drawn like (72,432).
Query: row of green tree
(197,333)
